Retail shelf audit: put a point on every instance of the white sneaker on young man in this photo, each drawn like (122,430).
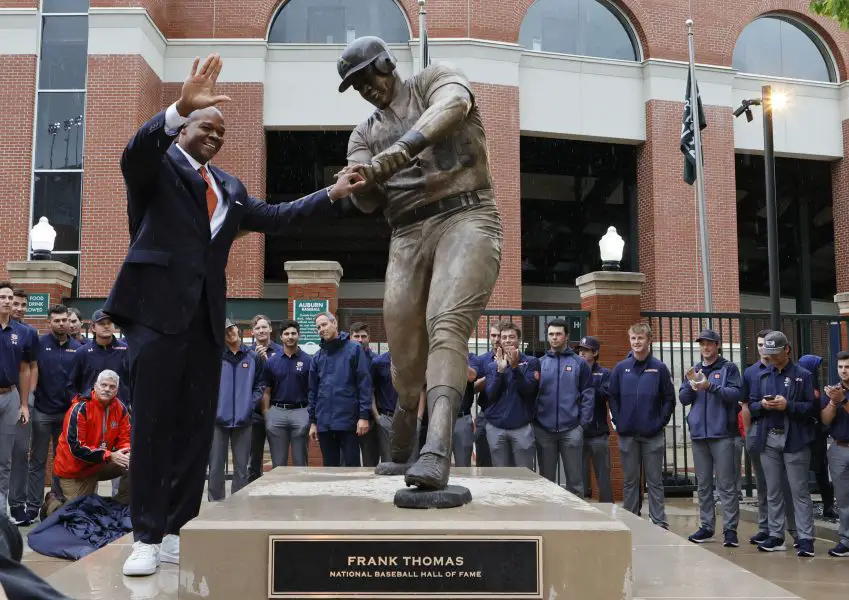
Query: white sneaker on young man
(169,552)
(144,560)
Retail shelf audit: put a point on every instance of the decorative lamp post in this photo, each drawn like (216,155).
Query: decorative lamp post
(42,238)
(611,247)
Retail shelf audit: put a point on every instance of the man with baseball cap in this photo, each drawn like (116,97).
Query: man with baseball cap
(596,448)
(785,413)
(103,352)
(713,389)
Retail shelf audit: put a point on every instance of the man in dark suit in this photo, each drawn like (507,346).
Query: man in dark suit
(169,300)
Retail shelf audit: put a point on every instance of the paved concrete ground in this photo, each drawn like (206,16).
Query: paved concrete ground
(819,578)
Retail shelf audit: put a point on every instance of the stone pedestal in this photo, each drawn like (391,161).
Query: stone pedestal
(334,533)
(313,280)
(842,301)
(42,277)
(613,301)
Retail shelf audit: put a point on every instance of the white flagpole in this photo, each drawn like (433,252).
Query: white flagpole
(700,173)
(422,35)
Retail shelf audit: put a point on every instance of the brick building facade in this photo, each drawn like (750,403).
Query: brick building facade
(138,52)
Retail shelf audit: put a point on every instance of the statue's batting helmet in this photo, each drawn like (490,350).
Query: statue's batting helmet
(361,53)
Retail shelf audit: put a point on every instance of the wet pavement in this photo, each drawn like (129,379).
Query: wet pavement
(655,554)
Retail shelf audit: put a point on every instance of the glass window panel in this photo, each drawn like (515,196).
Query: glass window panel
(572,191)
(74,261)
(64,53)
(777,47)
(805,226)
(59,134)
(298,163)
(338,22)
(580,27)
(64,6)
(57,197)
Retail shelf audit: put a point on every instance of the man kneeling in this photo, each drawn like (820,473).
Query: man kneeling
(95,442)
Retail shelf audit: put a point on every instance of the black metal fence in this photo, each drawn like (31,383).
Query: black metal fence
(673,343)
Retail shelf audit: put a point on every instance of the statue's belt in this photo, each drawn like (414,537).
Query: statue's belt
(436,208)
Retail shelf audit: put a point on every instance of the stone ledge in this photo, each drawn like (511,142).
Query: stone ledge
(610,283)
(842,301)
(305,272)
(44,272)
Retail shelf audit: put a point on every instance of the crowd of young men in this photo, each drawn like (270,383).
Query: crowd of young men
(551,413)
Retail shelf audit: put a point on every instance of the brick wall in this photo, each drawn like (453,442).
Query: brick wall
(18,3)
(668,222)
(499,106)
(840,195)
(17,96)
(155,8)
(116,107)
(242,155)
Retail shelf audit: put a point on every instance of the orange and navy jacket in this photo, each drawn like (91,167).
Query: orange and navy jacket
(90,434)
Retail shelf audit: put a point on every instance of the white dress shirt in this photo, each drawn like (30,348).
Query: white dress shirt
(173,122)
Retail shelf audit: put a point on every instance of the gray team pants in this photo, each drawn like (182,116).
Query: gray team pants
(716,456)
(838,464)
(646,453)
(370,446)
(440,276)
(239,439)
(760,482)
(464,439)
(284,427)
(794,465)
(45,427)
(10,406)
(597,450)
(20,463)
(511,447)
(384,436)
(568,446)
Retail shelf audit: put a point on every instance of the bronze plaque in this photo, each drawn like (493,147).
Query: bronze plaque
(404,566)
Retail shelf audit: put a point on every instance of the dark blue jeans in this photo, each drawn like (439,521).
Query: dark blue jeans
(336,445)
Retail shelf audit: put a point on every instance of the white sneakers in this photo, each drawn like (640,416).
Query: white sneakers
(143,561)
(145,558)
(169,552)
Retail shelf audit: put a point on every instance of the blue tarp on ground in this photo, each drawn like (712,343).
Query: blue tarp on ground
(80,527)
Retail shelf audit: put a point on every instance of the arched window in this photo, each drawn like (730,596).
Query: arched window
(778,46)
(582,27)
(338,22)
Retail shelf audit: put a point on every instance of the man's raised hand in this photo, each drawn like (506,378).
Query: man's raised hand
(198,87)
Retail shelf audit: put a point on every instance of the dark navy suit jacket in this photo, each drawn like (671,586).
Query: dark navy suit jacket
(172,255)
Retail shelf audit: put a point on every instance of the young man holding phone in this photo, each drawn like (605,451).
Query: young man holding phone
(784,410)
(835,416)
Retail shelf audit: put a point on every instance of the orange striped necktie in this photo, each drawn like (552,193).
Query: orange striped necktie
(211,197)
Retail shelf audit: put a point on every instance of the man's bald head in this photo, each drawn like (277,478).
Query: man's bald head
(203,134)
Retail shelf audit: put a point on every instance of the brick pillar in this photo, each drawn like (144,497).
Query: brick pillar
(499,106)
(115,108)
(17,96)
(613,301)
(840,204)
(313,280)
(43,277)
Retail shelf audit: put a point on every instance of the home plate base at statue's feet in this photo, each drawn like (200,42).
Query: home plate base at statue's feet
(336,533)
(450,497)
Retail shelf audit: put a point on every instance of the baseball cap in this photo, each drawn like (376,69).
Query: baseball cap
(98,316)
(590,343)
(709,335)
(774,343)
(228,324)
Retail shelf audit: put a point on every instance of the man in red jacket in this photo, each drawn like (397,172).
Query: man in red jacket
(95,442)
